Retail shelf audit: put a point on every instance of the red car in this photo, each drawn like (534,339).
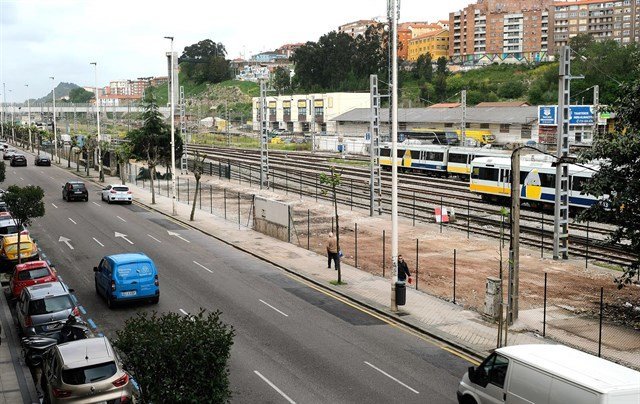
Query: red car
(31,273)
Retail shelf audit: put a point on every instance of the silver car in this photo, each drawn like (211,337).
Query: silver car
(86,371)
(43,309)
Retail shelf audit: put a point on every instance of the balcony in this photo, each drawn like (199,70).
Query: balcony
(302,118)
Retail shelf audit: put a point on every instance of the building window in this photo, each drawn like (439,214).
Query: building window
(448,125)
(484,126)
(525,132)
(504,128)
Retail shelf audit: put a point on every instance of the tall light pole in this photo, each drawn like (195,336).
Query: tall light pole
(173,134)
(13,121)
(4,117)
(101,173)
(394,152)
(29,117)
(55,127)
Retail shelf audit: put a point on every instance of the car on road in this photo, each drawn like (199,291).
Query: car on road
(127,277)
(8,153)
(42,160)
(83,371)
(74,190)
(29,274)
(9,251)
(42,309)
(18,160)
(9,226)
(117,193)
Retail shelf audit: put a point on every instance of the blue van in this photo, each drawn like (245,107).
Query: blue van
(127,277)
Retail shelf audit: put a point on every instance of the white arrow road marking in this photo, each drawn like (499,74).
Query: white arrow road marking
(52,178)
(97,204)
(273,386)
(66,241)
(72,221)
(101,245)
(41,172)
(154,238)
(391,377)
(286,315)
(54,205)
(121,219)
(171,233)
(124,236)
(184,312)
(202,266)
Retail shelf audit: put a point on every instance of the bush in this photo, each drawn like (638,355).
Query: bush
(176,358)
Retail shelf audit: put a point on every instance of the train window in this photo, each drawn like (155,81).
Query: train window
(506,176)
(577,183)
(548,180)
(400,153)
(385,152)
(415,154)
(489,174)
(435,156)
(458,158)
(475,174)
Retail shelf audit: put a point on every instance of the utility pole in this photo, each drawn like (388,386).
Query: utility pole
(13,120)
(4,117)
(463,123)
(55,127)
(514,240)
(375,178)
(264,137)
(226,110)
(29,118)
(394,152)
(101,173)
(173,132)
(561,209)
(596,107)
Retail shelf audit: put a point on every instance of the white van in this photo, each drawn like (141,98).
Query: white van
(65,138)
(548,374)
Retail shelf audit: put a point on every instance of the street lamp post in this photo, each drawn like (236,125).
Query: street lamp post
(55,127)
(29,118)
(101,173)
(173,131)
(3,117)
(13,121)
(394,152)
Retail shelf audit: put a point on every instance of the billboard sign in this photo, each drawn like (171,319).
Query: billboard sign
(578,115)
(547,115)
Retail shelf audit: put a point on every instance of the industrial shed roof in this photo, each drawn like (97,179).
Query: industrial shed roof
(497,115)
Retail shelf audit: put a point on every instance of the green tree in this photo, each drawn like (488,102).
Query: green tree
(80,96)
(281,80)
(205,62)
(334,180)
(122,152)
(511,89)
(198,169)
(423,70)
(24,203)
(616,181)
(176,358)
(3,171)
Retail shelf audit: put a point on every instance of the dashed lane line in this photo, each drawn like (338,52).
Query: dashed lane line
(72,221)
(154,238)
(273,386)
(101,245)
(202,266)
(392,378)
(262,301)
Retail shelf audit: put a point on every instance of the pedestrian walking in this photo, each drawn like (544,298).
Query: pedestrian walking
(332,252)
(403,270)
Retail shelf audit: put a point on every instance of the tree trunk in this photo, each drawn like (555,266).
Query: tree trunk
(335,207)
(122,173)
(19,258)
(152,173)
(195,198)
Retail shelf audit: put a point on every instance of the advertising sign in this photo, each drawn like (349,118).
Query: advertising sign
(578,115)
(547,115)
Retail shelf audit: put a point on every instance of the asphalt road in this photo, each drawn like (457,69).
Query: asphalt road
(294,343)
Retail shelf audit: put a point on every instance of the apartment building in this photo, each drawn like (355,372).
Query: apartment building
(356,28)
(604,20)
(434,42)
(502,31)
(410,30)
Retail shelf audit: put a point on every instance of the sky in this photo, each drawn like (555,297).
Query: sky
(40,39)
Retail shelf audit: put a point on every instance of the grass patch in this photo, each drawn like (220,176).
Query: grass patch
(336,283)
(245,142)
(606,265)
(358,163)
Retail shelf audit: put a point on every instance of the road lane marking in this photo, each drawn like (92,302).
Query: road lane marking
(82,310)
(21,179)
(392,378)
(41,172)
(173,233)
(202,266)
(273,386)
(97,204)
(54,205)
(72,221)
(184,312)
(124,236)
(50,177)
(154,238)
(121,219)
(286,315)
(92,324)
(66,241)
(101,245)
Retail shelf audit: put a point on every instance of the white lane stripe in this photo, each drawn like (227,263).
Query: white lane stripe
(52,178)
(21,179)
(273,386)
(154,238)
(101,245)
(72,221)
(41,172)
(391,377)
(97,204)
(54,205)
(286,315)
(184,312)
(121,219)
(202,266)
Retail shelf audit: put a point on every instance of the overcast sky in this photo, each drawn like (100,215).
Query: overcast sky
(43,38)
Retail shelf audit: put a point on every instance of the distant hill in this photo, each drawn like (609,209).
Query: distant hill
(62,90)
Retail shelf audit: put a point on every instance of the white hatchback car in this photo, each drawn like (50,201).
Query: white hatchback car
(117,193)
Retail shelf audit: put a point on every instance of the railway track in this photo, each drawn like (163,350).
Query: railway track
(418,196)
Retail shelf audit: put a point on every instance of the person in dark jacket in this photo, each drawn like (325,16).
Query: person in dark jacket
(403,270)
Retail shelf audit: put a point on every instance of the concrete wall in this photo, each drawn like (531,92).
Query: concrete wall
(272,218)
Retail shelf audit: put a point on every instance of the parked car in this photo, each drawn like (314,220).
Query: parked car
(42,161)
(18,160)
(87,370)
(43,309)
(127,277)
(9,226)
(8,153)
(74,190)
(9,251)
(117,193)
(29,274)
